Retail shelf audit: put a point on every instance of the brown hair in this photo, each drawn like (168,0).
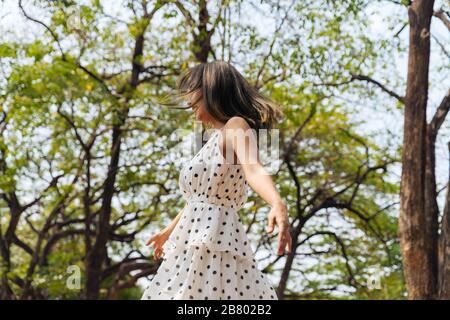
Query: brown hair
(227,93)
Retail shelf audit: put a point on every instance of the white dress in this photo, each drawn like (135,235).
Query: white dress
(208,254)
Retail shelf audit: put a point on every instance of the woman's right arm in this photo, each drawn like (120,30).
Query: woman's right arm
(161,237)
(168,230)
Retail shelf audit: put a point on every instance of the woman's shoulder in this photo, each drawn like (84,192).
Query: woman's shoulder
(237,127)
(237,122)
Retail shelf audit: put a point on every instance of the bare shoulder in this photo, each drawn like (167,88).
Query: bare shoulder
(237,132)
(237,122)
(238,127)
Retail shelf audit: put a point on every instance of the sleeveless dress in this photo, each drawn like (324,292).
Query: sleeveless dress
(208,254)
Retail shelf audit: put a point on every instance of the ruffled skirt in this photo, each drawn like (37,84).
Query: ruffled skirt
(209,259)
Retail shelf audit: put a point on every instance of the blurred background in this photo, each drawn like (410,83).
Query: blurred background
(87,170)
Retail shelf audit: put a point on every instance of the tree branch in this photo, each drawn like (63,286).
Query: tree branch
(377,83)
(440,115)
(443,16)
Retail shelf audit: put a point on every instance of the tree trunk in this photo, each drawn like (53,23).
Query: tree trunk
(96,257)
(444,249)
(282,284)
(431,210)
(98,253)
(414,225)
(202,39)
(5,266)
(16,211)
(286,270)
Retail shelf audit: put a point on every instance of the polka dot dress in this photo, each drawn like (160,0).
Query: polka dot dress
(208,254)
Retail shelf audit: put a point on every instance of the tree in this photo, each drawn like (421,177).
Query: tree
(425,245)
(85,152)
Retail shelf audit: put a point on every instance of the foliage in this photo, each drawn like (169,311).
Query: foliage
(67,92)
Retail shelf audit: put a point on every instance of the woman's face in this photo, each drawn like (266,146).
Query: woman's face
(199,108)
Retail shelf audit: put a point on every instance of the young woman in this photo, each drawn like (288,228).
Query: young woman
(206,251)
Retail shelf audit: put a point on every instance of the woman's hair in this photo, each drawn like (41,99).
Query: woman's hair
(227,93)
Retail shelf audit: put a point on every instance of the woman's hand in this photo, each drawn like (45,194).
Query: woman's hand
(161,237)
(158,241)
(278,214)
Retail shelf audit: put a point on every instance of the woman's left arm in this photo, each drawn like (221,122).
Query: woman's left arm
(246,150)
